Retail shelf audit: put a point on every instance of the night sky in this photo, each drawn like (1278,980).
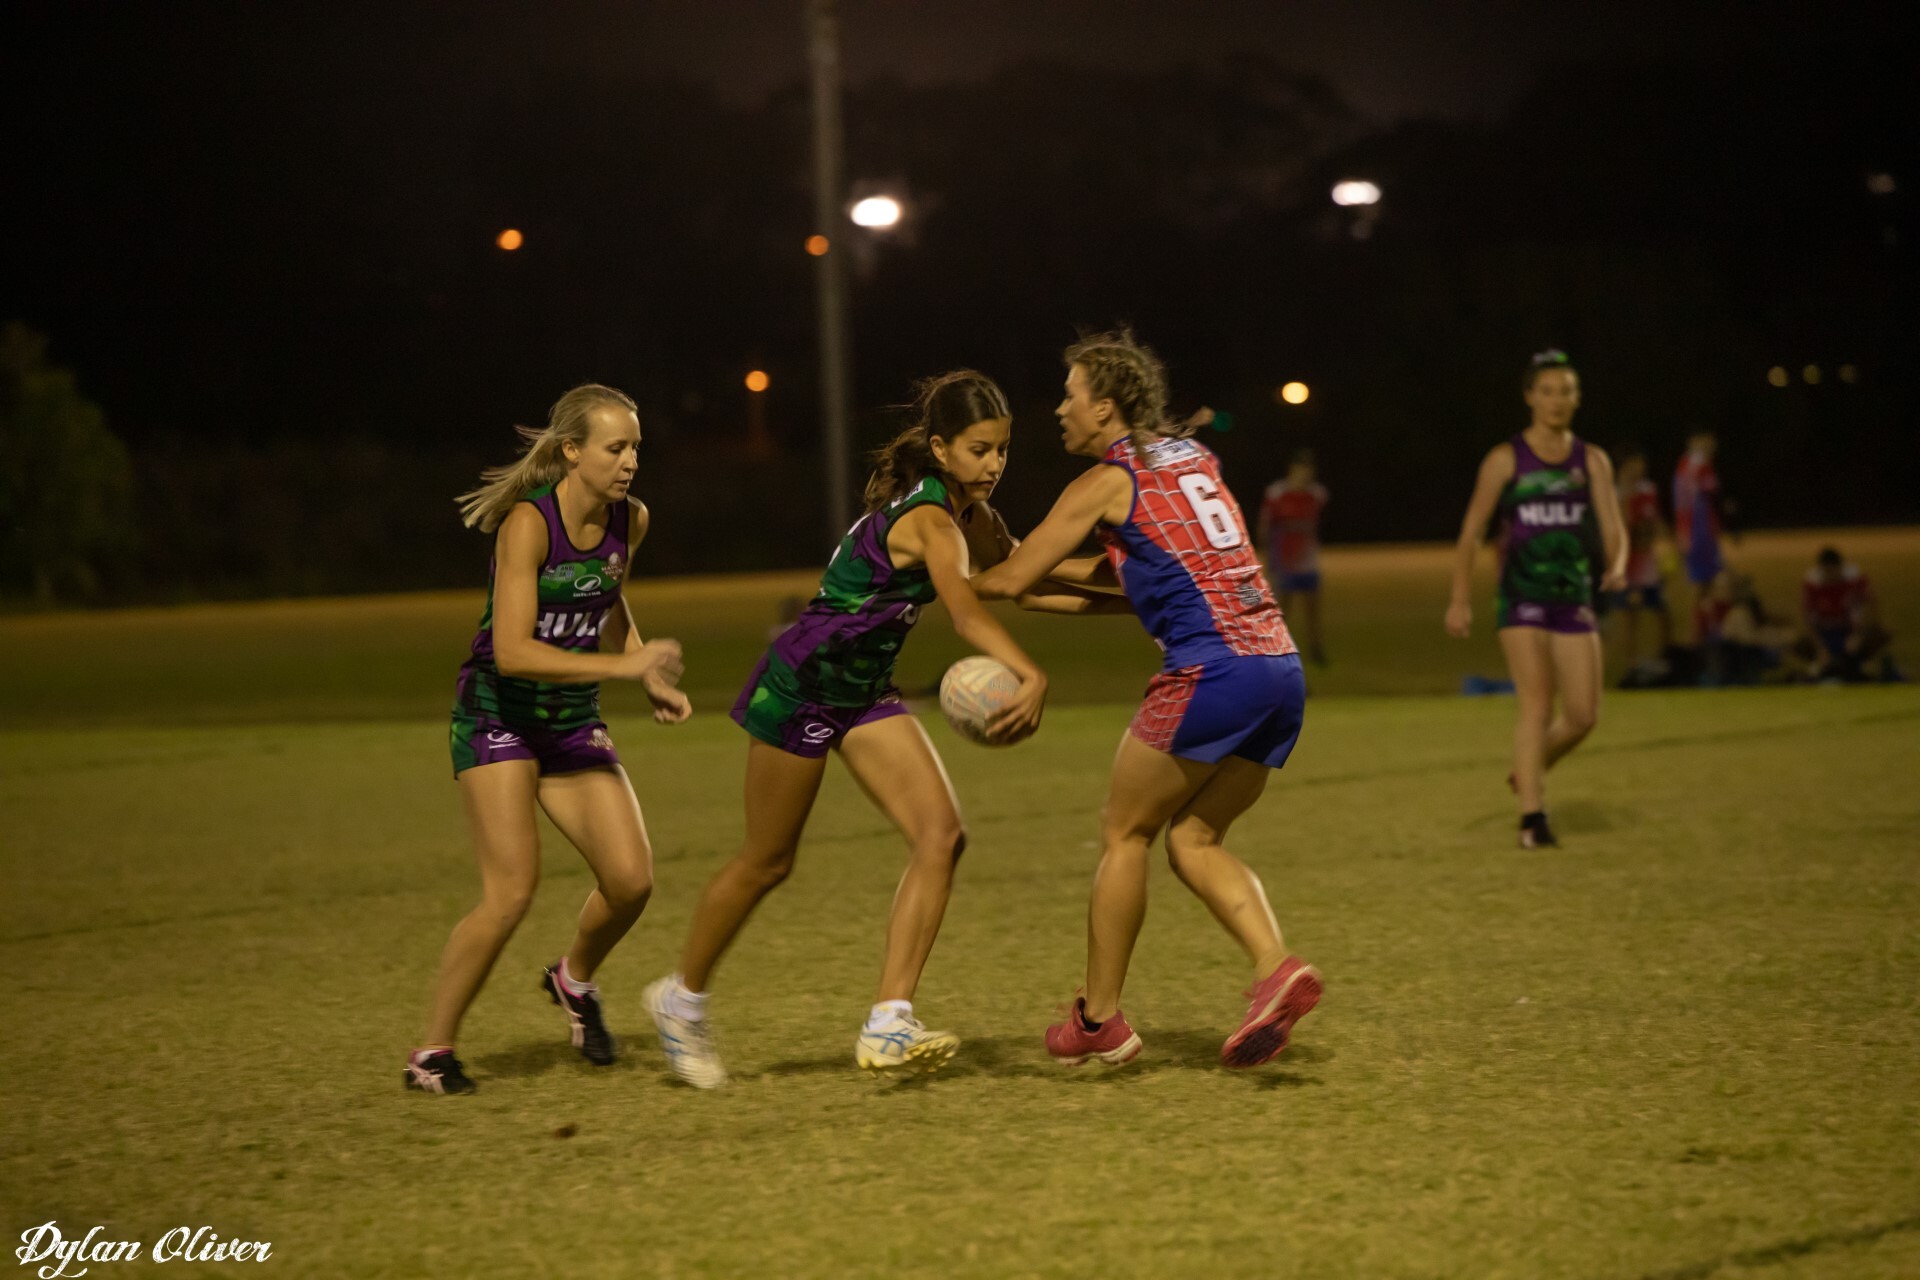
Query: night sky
(274,221)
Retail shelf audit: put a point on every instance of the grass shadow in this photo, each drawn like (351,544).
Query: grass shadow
(543,1057)
(1024,1056)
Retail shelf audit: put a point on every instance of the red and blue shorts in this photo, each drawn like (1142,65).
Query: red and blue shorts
(1249,707)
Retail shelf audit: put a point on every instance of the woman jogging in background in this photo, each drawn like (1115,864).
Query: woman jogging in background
(1223,713)
(826,684)
(526,728)
(1553,492)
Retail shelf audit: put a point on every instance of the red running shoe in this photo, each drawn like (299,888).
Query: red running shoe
(1281,999)
(1071,1044)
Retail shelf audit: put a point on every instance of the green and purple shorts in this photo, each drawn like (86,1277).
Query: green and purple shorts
(779,715)
(480,737)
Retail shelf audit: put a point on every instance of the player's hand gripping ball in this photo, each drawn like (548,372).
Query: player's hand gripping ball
(972,692)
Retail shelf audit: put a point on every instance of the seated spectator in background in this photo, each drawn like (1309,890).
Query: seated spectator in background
(1646,587)
(1843,622)
(1739,644)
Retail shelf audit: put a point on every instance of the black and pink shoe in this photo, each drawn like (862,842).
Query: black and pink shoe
(437,1072)
(584,1023)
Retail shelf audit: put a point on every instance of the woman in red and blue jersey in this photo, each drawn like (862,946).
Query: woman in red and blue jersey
(527,732)
(1223,713)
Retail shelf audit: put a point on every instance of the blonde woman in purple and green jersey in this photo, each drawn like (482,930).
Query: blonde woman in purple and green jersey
(526,730)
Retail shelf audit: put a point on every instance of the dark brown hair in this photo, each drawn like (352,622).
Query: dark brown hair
(942,408)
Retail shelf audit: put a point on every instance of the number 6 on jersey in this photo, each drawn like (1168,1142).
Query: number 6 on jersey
(1214,515)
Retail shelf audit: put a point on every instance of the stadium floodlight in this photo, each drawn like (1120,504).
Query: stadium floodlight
(877,212)
(1354,191)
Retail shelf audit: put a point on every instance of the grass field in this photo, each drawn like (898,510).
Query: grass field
(1687,1045)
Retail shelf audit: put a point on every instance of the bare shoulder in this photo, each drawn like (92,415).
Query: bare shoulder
(522,537)
(1597,459)
(639,520)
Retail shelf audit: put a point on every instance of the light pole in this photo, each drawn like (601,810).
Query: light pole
(830,271)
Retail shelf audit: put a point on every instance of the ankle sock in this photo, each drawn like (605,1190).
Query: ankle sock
(682,1003)
(572,985)
(886,1011)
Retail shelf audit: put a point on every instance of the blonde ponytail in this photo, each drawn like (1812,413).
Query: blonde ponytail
(1122,369)
(542,460)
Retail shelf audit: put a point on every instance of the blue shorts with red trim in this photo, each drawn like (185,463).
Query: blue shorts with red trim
(1249,707)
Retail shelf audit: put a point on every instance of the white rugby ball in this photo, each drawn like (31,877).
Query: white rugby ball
(972,692)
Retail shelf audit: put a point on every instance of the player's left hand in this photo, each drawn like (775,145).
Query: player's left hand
(670,706)
(1020,718)
(1614,580)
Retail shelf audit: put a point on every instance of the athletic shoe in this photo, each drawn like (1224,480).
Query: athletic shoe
(1276,1002)
(1113,1042)
(1536,834)
(902,1046)
(687,1042)
(584,1023)
(437,1072)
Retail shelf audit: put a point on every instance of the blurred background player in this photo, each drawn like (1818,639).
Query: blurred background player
(1223,713)
(1698,515)
(1290,533)
(1551,490)
(826,685)
(1842,618)
(526,728)
(1646,589)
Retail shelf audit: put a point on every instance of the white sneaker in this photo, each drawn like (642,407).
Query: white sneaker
(902,1045)
(687,1041)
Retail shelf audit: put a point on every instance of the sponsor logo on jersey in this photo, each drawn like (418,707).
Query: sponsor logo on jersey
(613,567)
(559,572)
(588,585)
(1550,515)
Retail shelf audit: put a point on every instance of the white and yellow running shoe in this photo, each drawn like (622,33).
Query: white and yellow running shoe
(687,1041)
(902,1046)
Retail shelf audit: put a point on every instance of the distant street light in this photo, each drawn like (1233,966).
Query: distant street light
(1353,192)
(757,380)
(1777,376)
(1812,375)
(877,212)
(818,246)
(510,239)
(1292,393)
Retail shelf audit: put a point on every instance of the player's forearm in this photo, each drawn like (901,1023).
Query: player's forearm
(531,659)
(1085,571)
(1463,554)
(1053,596)
(982,631)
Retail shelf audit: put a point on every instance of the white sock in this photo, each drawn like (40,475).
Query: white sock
(682,1003)
(572,985)
(886,1011)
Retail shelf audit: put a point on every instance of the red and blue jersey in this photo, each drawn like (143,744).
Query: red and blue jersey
(1184,559)
(1293,524)
(1696,501)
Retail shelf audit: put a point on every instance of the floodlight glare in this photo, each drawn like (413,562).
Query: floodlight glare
(875,211)
(1355,192)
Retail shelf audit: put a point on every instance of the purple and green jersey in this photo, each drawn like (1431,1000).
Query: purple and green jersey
(577,590)
(841,650)
(1546,563)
